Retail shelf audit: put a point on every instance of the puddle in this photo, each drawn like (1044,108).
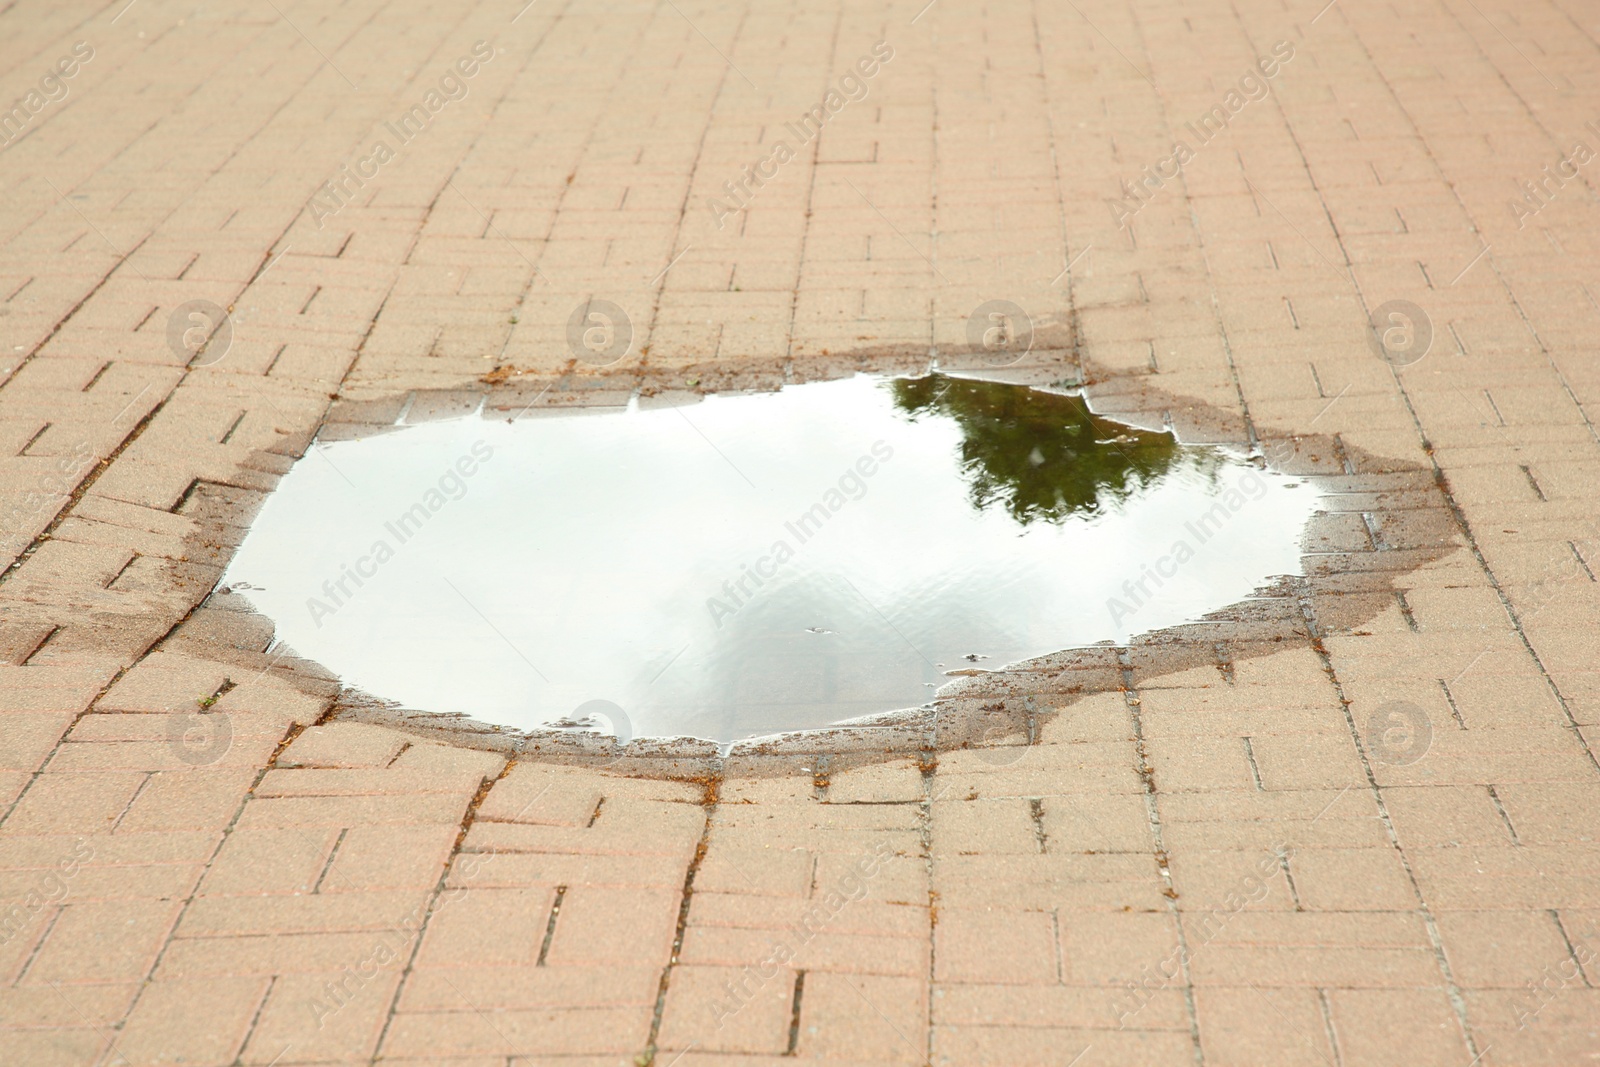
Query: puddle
(751,563)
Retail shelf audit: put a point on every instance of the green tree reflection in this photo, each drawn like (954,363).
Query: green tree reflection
(1041,456)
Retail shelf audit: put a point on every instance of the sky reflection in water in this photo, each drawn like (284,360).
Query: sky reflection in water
(752,564)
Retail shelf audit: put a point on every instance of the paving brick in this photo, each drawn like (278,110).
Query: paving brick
(978,827)
(333,911)
(768,872)
(616,925)
(343,744)
(1446,815)
(552,1032)
(62,1047)
(859,915)
(845,953)
(270,954)
(1073,1006)
(1216,293)
(1369,1023)
(727,1009)
(82,1005)
(1250,1025)
(889,876)
(104,941)
(339,782)
(1502,948)
(29,738)
(870,1017)
(164,682)
(1550,813)
(1498,877)
(266,860)
(83,803)
(889,782)
(515,871)
(404,809)
(35,851)
(323,1020)
(91,882)
(487,926)
(629,826)
(533,794)
(191,1021)
(491,988)
(383,857)
(1039,1046)
(1340,879)
(187,800)
(996,946)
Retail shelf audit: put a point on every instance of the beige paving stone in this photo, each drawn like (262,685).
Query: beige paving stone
(1503,949)
(868,1017)
(490,988)
(258,861)
(1253,1026)
(862,916)
(1549,813)
(842,952)
(553,1032)
(996,946)
(1449,815)
(1329,879)
(1369,1022)
(614,924)
(487,926)
(1076,1006)
(1037,1046)
(534,794)
(767,872)
(987,154)
(629,826)
(383,809)
(727,1009)
(110,940)
(85,803)
(61,1046)
(202,1021)
(315,1018)
(331,911)
(343,744)
(83,1005)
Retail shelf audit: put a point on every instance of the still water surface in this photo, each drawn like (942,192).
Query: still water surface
(752,563)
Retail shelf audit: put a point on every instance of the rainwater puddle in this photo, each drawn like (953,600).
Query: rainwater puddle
(752,563)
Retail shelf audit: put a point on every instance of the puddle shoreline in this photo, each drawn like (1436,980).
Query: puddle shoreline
(1346,583)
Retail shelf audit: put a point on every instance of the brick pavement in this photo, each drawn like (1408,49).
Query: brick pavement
(1217,866)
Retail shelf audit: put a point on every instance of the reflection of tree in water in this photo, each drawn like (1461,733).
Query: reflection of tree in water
(1041,456)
